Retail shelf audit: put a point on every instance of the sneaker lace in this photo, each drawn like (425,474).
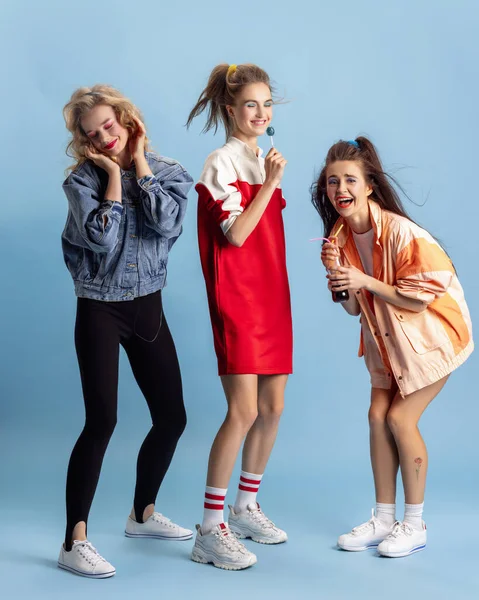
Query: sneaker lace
(364,527)
(400,529)
(159,518)
(261,519)
(230,541)
(89,553)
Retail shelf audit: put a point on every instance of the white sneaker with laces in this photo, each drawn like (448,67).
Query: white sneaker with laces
(83,559)
(157,526)
(221,547)
(365,536)
(253,523)
(403,540)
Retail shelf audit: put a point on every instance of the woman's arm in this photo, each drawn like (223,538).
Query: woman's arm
(246,222)
(164,199)
(351,278)
(96,218)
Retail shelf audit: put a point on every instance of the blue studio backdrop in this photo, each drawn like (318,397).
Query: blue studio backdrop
(403,73)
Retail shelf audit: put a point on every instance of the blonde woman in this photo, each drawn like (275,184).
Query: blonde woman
(126,205)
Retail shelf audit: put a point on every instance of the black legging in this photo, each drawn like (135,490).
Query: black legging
(141,328)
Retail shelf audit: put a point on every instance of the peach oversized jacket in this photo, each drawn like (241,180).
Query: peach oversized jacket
(416,348)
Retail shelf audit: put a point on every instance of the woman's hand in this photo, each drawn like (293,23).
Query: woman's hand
(137,140)
(348,278)
(102,161)
(274,165)
(330,255)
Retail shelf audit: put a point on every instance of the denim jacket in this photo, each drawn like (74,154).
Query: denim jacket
(119,251)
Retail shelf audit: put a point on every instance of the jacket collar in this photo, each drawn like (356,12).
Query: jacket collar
(236,145)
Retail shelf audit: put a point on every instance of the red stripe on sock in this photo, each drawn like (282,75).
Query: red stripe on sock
(214,497)
(253,481)
(214,506)
(247,489)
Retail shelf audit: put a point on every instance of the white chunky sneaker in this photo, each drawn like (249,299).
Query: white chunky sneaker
(221,547)
(157,526)
(83,559)
(403,540)
(365,536)
(253,523)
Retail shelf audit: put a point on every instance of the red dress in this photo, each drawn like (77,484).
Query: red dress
(247,287)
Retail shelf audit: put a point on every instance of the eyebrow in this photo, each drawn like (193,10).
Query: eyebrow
(246,101)
(105,121)
(346,175)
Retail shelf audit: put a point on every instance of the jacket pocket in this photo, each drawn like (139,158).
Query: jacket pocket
(155,255)
(423,330)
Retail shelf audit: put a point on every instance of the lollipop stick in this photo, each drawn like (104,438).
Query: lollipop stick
(272,141)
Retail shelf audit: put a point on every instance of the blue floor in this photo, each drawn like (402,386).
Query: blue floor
(313,512)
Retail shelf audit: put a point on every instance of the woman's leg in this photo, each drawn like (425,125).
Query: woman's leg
(242,397)
(410,536)
(97,344)
(262,435)
(385,464)
(246,518)
(383,449)
(403,418)
(157,372)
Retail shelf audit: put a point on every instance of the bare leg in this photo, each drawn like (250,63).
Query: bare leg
(262,435)
(242,396)
(384,453)
(403,418)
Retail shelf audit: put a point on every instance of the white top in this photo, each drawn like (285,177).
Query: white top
(365,244)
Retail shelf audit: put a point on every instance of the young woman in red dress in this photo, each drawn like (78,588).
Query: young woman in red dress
(242,249)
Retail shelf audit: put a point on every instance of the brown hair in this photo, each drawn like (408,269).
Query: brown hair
(223,85)
(384,193)
(83,100)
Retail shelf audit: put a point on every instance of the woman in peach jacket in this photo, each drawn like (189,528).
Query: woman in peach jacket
(415,329)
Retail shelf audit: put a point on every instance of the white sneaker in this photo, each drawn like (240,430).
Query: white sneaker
(221,547)
(403,540)
(253,523)
(83,559)
(157,526)
(365,536)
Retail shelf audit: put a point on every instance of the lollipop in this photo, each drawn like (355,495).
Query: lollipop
(270,132)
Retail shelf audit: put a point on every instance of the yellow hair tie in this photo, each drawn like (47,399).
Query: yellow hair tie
(231,70)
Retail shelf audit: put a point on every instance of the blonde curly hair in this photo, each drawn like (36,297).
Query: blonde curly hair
(83,100)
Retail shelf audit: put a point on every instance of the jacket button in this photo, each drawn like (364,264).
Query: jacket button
(386,334)
(401,317)
(400,377)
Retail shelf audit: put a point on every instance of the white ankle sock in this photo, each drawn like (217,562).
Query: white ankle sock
(386,513)
(213,508)
(413,515)
(247,490)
